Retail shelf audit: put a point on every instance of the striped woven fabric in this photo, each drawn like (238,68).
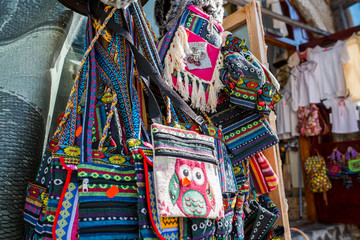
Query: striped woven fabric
(59,175)
(257,177)
(245,133)
(37,195)
(173,142)
(262,174)
(267,171)
(238,228)
(134,146)
(107,197)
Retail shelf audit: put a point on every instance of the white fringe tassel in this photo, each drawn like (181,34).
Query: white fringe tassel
(175,62)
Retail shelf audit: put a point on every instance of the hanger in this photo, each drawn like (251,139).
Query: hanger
(328,42)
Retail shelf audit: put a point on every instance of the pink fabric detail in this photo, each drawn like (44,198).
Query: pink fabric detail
(72,167)
(207,73)
(341,106)
(191,166)
(149,145)
(204,15)
(213,53)
(74,233)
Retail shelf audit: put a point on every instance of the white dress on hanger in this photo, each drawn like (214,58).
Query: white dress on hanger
(344,115)
(286,117)
(304,87)
(329,73)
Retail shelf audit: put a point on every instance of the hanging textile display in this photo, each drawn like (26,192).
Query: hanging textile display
(135,155)
(245,133)
(192,58)
(188,173)
(249,84)
(315,169)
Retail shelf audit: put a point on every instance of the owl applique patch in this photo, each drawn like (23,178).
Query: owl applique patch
(188,188)
(186,177)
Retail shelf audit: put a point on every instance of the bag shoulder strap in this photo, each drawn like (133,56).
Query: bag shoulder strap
(146,69)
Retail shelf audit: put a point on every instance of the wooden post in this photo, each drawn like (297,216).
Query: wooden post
(256,31)
(278,194)
(251,15)
(304,147)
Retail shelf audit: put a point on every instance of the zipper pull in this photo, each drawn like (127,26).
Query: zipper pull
(85,188)
(216,167)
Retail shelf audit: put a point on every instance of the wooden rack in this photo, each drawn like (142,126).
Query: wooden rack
(250,15)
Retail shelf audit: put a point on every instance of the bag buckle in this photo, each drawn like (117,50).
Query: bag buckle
(199,120)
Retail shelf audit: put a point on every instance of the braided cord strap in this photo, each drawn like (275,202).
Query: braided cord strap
(72,98)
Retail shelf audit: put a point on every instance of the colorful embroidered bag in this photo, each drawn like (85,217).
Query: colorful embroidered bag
(315,169)
(308,121)
(63,174)
(245,133)
(190,52)
(37,194)
(186,173)
(226,177)
(107,196)
(334,164)
(260,218)
(262,175)
(53,177)
(351,160)
(58,163)
(238,226)
(248,83)
(224,227)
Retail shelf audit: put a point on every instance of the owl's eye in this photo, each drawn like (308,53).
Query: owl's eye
(185,171)
(198,175)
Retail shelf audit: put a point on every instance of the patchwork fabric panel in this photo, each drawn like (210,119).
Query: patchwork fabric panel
(37,194)
(135,146)
(238,228)
(35,203)
(186,174)
(60,178)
